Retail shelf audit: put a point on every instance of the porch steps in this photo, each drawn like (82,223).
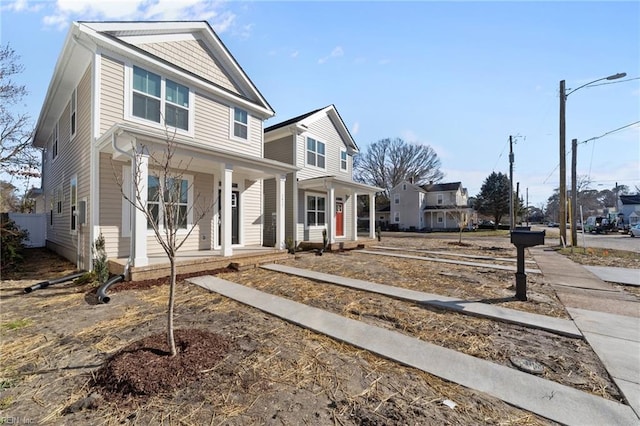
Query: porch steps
(241,261)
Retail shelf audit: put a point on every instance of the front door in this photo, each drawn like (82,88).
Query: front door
(339,220)
(235,208)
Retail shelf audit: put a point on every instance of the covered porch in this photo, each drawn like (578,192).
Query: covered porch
(340,225)
(222,209)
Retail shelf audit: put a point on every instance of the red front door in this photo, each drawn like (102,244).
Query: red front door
(339,220)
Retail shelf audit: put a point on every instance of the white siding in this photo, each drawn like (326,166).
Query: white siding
(324,131)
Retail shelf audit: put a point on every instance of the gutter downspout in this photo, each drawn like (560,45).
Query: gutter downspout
(132,238)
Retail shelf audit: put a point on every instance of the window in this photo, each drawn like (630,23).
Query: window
(404,186)
(59,200)
(396,199)
(174,197)
(240,123)
(315,153)
(396,217)
(440,199)
(315,210)
(343,160)
(440,218)
(54,148)
(73,201)
(149,104)
(72,114)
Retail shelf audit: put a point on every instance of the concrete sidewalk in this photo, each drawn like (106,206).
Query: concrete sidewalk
(551,400)
(607,316)
(616,275)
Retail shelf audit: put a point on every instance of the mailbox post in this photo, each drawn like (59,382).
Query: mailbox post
(522,239)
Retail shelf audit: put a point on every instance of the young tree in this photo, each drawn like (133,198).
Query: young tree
(388,162)
(17,157)
(163,205)
(493,199)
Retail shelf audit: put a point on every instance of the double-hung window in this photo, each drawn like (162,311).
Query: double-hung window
(343,160)
(240,123)
(159,100)
(168,200)
(440,199)
(315,210)
(315,153)
(73,113)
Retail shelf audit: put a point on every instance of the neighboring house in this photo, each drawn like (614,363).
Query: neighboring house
(630,208)
(434,206)
(121,88)
(321,194)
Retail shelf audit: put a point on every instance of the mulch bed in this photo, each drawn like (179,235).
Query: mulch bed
(146,284)
(145,368)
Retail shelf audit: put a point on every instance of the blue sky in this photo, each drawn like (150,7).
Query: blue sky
(458,76)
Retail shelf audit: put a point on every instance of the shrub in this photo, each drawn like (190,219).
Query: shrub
(100,265)
(11,243)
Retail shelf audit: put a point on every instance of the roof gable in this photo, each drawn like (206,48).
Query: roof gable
(305,120)
(189,50)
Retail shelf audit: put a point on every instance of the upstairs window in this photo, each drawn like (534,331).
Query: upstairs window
(146,94)
(440,199)
(396,199)
(240,123)
(160,100)
(343,160)
(315,153)
(72,113)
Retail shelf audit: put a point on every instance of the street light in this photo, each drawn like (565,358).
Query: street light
(563,163)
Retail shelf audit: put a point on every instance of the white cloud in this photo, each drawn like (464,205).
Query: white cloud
(66,11)
(22,6)
(335,53)
(384,61)
(294,54)
(355,128)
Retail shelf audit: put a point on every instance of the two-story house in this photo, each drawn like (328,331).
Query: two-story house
(120,92)
(439,206)
(322,194)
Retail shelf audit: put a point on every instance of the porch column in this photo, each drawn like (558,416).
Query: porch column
(354,214)
(280,211)
(372,216)
(331,223)
(139,182)
(226,176)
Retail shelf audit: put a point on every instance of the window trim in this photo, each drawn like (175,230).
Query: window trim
(396,217)
(307,210)
(189,224)
(73,114)
(128,101)
(440,199)
(232,123)
(59,200)
(396,198)
(346,160)
(306,153)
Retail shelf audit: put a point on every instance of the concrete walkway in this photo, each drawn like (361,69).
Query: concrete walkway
(548,399)
(451,254)
(554,325)
(608,317)
(616,275)
(456,262)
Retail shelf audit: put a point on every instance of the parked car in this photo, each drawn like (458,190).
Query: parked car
(600,224)
(634,231)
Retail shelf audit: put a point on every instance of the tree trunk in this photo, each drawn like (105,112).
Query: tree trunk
(172,290)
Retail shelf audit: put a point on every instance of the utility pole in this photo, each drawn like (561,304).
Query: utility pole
(574,192)
(562,220)
(511,222)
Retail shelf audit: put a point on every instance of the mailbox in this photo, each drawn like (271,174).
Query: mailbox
(522,239)
(527,238)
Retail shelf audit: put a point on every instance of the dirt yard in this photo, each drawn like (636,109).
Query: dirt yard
(62,358)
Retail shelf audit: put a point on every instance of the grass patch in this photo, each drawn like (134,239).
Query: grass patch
(598,252)
(15,325)
(6,402)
